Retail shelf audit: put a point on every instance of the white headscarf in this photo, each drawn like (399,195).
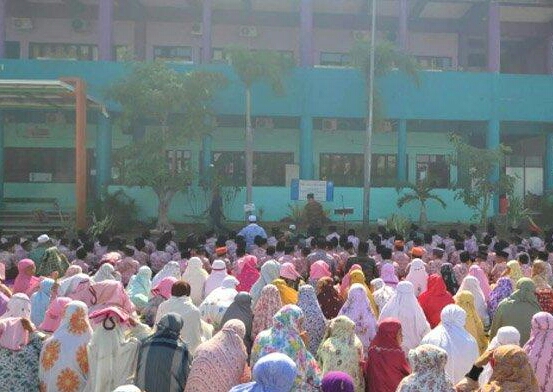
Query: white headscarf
(382,292)
(472,284)
(450,335)
(196,277)
(214,280)
(105,272)
(418,276)
(172,268)
(68,285)
(270,271)
(404,306)
(19,305)
(214,306)
(505,335)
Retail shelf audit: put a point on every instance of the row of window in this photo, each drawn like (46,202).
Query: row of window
(58,165)
(185,54)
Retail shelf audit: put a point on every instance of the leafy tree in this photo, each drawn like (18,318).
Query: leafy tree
(477,164)
(179,108)
(422,193)
(253,67)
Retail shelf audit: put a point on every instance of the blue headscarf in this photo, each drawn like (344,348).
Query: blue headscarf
(40,301)
(274,372)
(140,286)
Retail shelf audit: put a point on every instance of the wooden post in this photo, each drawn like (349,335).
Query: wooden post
(79,86)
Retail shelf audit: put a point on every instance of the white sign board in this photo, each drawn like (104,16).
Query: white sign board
(321,190)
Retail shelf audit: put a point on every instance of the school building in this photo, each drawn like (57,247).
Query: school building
(486,74)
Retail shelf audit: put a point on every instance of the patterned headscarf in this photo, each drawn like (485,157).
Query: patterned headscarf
(64,357)
(315,321)
(342,350)
(428,364)
(512,371)
(284,337)
(19,305)
(502,290)
(357,308)
(540,349)
(219,362)
(267,306)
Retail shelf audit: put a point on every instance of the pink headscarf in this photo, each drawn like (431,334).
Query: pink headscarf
(110,293)
(540,349)
(288,271)
(12,334)
(319,269)
(25,283)
(73,270)
(479,274)
(52,317)
(388,275)
(249,274)
(164,287)
(346,280)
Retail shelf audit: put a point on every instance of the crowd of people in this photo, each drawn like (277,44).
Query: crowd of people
(421,312)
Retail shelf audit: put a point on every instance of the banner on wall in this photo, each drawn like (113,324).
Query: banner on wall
(322,190)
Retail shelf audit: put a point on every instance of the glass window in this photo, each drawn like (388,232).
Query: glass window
(179,159)
(434,168)
(348,169)
(383,170)
(42,164)
(434,62)
(13,50)
(269,168)
(181,54)
(335,59)
(49,51)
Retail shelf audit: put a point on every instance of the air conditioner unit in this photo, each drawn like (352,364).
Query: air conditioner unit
(360,35)
(248,31)
(197,29)
(264,123)
(80,25)
(22,24)
(329,125)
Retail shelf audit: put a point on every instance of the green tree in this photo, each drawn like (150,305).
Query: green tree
(178,106)
(476,165)
(253,67)
(420,192)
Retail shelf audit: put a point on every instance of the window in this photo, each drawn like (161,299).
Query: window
(42,164)
(181,54)
(123,53)
(269,168)
(179,159)
(330,59)
(342,169)
(383,170)
(433,62)
(13,50)
(47,51)
(435,168)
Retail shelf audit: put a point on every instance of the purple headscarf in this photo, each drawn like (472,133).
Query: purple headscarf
(337,382)
(388,275)
(502,290)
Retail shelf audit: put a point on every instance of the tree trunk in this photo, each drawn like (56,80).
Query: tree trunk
(423,219)
(249,148)
(163,223)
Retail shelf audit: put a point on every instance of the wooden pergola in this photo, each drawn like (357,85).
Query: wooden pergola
(64,94)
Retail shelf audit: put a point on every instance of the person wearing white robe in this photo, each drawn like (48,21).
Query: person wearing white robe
(451,336)
(472,284)
(214,306)
(381,292)
(111,356)
(196,277)
(215,278)
(404,306)
(172,268)
(194,330)
(418,276)
(505,335)
(105,272)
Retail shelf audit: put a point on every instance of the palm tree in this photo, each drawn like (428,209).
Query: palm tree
(421,192)
(252,67)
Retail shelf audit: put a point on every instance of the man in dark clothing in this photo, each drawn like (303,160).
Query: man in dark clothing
(368,265)
(216,211)
(313,215)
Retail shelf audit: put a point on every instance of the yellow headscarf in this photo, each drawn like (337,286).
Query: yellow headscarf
(473,324)
(358,276)
(539,275)
(288,295)
(515,272)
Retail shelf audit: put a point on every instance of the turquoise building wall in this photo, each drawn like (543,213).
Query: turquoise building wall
(522,103)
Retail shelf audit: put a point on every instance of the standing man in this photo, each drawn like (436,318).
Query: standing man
(215,211)
(313,215)
(251,231)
